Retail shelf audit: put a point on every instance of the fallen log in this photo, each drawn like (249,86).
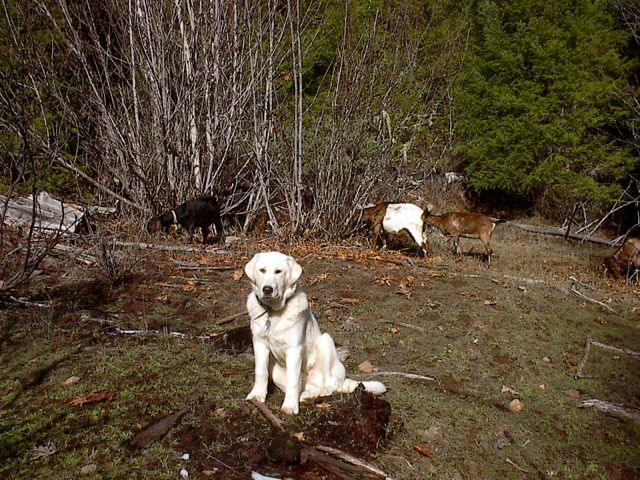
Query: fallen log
(628,414)
(46,213)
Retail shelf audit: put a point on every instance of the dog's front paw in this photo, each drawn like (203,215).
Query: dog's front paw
(257,394)
(289,408)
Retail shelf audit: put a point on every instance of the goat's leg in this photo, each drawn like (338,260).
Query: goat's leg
(487,247)
(457,244)
(205,234)
(217,221)
(418,237)
(377,229)
(425,246)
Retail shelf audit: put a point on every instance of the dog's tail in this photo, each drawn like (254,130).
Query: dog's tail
(377,388)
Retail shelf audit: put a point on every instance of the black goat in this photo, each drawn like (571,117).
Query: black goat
(197,213)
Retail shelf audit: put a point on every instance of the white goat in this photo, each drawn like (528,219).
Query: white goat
(394,218)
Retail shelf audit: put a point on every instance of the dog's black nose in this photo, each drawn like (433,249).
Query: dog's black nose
(267,290)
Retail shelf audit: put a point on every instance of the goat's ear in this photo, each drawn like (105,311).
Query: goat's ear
(295,270)
(250,268)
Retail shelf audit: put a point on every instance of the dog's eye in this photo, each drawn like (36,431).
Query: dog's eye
(278,271)
(263,270)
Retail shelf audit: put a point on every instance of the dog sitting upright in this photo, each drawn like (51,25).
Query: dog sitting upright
(306,363)
(199,212)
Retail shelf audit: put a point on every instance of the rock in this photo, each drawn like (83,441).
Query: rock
(502,442)
(89,469)
(71,380)
(435,432)
(516,406)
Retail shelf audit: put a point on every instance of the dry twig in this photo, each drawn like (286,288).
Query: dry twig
(574,290)
(583,362)
(412,376)
(626,351)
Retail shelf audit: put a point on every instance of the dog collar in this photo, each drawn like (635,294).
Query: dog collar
(175,219)
(264,307)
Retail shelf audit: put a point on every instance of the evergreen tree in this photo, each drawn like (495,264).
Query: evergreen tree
(539,100)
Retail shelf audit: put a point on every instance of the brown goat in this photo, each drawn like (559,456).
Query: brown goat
(626,260)
(462,223)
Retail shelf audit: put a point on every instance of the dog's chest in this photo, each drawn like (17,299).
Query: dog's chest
(280,332)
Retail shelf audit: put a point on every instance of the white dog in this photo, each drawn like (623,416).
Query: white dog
(306,361)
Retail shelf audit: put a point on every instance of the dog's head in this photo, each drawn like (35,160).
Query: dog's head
(274,278)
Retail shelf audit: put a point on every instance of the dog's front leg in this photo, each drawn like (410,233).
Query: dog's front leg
(261,354)
(294,369)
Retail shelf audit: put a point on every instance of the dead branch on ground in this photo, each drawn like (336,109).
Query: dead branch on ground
(268,414)
(351,459)
(574,290)
(583,362)
(604,346)
(230,318)
(316,453)
(412,376)
(170,248)
(621,412)
(616,349)
(156,429)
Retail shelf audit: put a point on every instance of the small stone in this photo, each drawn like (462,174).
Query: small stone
(89,469)
(502,442)
(185,456)
(433,433)
(546,359)
(71,380)
(516,406)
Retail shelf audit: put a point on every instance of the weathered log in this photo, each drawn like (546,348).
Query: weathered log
(49,214)
(628,414)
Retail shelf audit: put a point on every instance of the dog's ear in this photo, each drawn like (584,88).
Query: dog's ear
(250,268)
(294,271)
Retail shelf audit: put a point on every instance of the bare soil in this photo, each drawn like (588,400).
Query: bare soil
(486,335)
